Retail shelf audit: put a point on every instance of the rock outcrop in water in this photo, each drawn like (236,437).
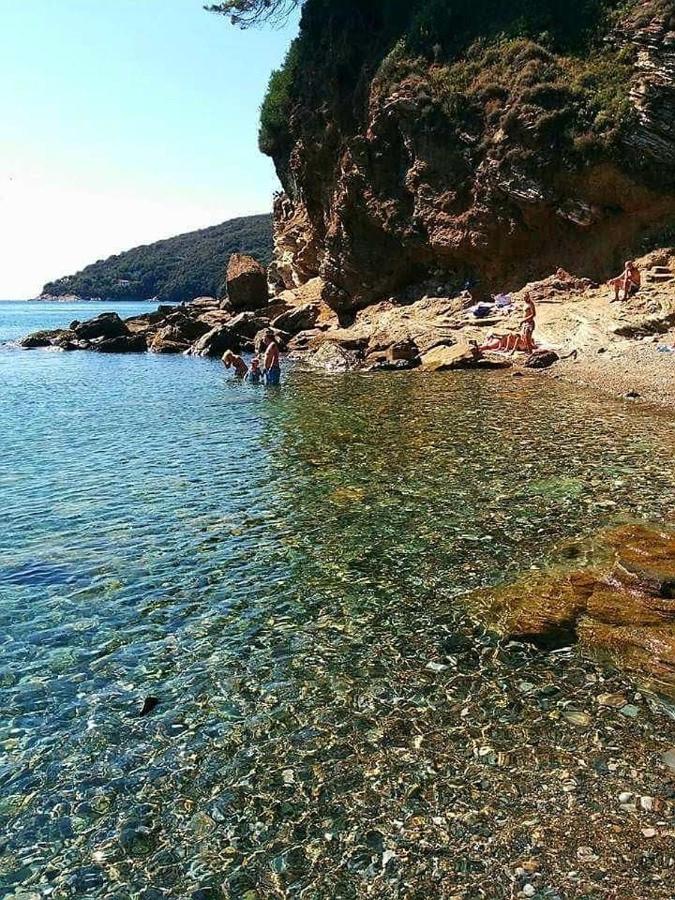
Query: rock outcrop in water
(455,141)
(622,606)
(204,328)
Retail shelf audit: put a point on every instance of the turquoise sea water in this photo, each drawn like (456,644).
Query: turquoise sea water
(276,568)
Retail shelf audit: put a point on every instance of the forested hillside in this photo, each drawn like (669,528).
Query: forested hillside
(179,268)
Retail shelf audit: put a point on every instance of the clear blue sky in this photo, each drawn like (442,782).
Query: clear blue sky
(124,121)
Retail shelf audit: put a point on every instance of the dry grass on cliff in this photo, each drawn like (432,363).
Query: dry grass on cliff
(531,94)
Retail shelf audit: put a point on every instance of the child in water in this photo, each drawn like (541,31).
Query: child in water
(254,374)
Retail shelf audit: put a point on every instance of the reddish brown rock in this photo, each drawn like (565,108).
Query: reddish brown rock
(300,318)
(460,356)
(622,607)
(246,283)
(476,159)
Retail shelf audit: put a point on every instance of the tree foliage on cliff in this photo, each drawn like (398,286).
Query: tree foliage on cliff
(342,47)
(245,13)
(179,268)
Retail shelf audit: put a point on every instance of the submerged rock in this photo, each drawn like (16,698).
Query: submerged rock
(333,358)
(149,704)
(621,607)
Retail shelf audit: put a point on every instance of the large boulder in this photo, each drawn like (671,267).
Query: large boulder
(246,283)
(169,339)
(248,324)
(301,318)
(304,340)
(215,342)
(398,357)
(146,321)
(107,325)
(178,334)
(460,356)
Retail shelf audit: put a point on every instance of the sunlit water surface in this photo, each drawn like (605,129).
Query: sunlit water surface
(269,565)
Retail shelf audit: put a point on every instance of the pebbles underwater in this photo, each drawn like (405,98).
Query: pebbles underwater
(287,579)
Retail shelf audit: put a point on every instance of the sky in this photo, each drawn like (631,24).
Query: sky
(123,122)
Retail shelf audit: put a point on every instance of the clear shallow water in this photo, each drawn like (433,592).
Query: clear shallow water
(278,568)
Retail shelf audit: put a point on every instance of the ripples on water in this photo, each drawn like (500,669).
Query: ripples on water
(278,568)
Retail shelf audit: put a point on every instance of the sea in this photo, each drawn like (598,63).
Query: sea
(215,599)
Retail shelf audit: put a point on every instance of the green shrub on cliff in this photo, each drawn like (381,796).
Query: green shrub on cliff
(472,45)
(277,105)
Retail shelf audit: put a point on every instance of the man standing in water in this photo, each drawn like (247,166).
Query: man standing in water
(271,368)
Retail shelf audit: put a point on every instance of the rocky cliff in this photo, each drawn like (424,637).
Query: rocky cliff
(470,141)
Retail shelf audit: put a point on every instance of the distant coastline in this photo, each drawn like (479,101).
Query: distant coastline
(74,298)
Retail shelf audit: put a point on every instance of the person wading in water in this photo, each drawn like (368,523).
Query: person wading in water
(271,368)
(232,361)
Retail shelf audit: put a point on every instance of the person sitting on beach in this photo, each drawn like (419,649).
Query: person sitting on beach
(271,368)
(630,282)
(232,361)
(254,374)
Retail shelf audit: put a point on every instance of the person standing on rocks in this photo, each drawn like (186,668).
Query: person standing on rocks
(271,368)
(527,326)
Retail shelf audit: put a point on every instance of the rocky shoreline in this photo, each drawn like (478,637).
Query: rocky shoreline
(618,348)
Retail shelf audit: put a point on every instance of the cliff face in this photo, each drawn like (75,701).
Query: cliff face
(456,141)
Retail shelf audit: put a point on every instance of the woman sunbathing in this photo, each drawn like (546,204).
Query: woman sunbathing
(498,343)
(630,282)
(512,343)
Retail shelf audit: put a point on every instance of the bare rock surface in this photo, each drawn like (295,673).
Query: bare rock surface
(454,162)
(216,342)
(246,283)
